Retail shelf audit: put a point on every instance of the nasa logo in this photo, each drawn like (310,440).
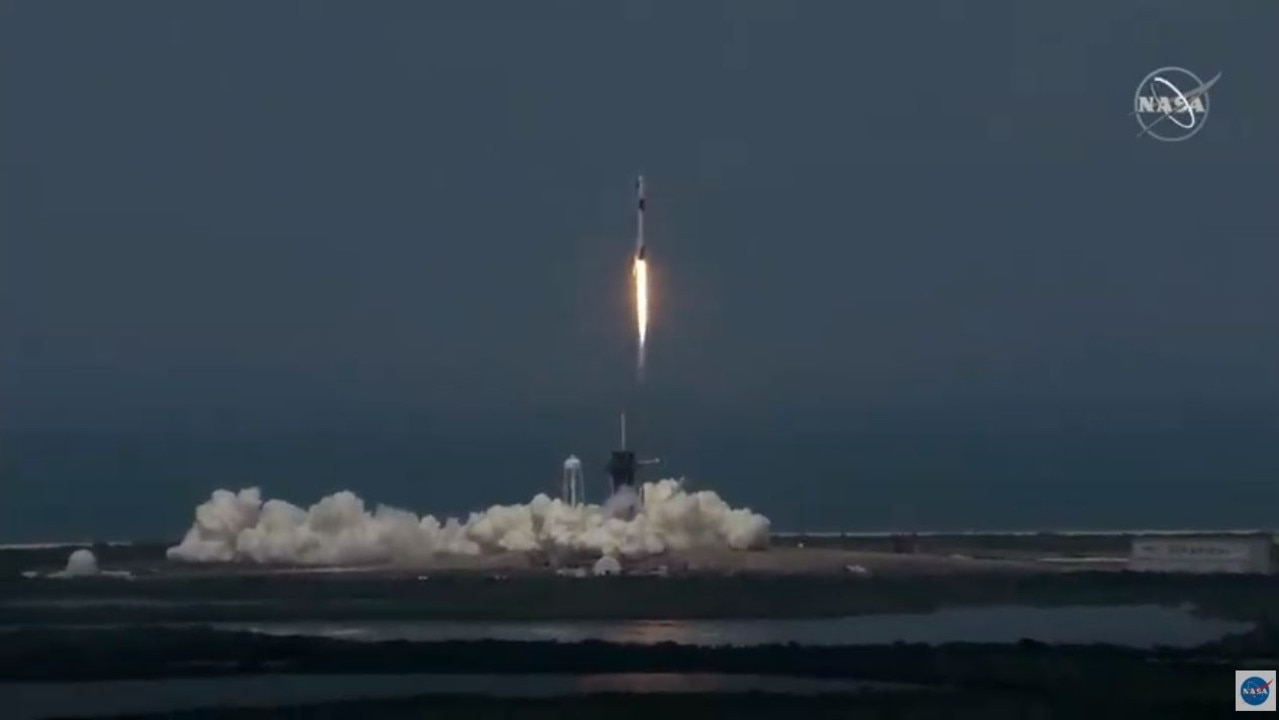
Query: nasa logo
(1171,104)
(1253,690)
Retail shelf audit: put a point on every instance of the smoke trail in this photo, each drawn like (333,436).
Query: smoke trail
(640,271)
(338,530)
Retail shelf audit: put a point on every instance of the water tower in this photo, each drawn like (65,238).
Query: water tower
(572,489)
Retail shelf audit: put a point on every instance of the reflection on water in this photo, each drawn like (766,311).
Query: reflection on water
(27,701)
(1135,626)
(653,632)
(648,683)
(1139,626)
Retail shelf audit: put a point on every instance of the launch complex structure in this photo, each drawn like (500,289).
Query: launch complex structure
(623,466)
(623,469)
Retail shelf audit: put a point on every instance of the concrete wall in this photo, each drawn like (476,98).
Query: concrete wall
(1205,554)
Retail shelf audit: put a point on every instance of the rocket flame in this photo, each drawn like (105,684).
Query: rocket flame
(640,271)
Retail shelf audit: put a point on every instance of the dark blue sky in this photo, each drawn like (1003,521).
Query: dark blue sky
(296,214)
(289,204)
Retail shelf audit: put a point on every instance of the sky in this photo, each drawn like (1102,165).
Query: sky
(246,215)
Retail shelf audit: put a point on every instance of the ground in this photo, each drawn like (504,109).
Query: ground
(939,555)
(784,581)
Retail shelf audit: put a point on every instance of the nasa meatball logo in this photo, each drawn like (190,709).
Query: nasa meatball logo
(1254,690)
(1171,104)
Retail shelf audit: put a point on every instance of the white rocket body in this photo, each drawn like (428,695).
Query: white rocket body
(640,248)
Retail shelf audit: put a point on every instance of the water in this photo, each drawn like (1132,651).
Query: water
(1138,626)
(28,701)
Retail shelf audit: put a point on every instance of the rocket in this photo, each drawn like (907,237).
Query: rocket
(639,270)
(640,248)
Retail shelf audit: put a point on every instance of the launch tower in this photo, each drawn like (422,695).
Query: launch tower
(623,466)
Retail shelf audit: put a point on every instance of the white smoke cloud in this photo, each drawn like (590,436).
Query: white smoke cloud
(338,530)
(624,504)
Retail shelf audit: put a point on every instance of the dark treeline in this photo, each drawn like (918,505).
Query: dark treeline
(982,704)
(107,654)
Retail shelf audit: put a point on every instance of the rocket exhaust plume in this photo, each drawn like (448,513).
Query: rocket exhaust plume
(341,530)
(639,270)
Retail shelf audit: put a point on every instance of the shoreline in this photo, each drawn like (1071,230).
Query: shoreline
(78,655)
(471,597)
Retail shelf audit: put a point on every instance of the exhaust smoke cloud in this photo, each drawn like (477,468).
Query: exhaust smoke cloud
(339,530)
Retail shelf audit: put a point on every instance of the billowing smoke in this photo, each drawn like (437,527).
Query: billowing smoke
(338,530)
(624,504)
